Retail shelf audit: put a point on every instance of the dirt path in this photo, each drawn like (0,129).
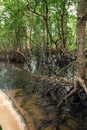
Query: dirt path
(9,117)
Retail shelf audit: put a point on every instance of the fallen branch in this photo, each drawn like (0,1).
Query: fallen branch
(68,95)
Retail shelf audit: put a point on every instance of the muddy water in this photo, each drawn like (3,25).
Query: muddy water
(10,119)
(20,85)
(22,88)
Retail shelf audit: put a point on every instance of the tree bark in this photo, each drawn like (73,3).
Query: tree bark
(81,22)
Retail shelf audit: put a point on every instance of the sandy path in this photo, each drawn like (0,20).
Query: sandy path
(9,118)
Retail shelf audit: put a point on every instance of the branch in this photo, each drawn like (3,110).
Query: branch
(82,84)
(68,95)
(33,10)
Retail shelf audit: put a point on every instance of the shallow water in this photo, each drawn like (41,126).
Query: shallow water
(22,86)
(12,77)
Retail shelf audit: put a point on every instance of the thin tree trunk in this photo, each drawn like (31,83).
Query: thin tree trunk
(81,37)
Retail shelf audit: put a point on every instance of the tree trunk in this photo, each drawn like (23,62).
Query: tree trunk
(81,21)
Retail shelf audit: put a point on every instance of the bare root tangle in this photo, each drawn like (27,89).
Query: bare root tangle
(64,81)
(76,80)
(69,104)
(22,54)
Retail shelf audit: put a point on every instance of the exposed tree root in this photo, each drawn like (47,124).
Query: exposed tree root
(22,54)
(82,84)
(68,95)
(62,105)
(76,81)
(17,56)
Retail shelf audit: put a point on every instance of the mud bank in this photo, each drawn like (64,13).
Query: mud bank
(10,119)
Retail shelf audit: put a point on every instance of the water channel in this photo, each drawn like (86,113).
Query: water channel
(22,87)
(19,85)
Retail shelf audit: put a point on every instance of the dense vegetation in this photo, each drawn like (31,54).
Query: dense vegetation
(38,27)
(54,31)
(46,24)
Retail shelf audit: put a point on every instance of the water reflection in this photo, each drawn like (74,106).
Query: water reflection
(12,76)
(30,67)
(19,84)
